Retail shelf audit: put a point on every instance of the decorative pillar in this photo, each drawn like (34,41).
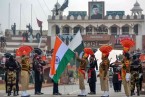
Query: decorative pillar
(120,30)
(72,31)
(84,31)
(109,32)
(93,30)
(132,28)
(61,29)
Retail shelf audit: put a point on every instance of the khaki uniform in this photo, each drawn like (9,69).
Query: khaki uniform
(104,74)
(81,73)
(126,69)
(25,74)
(24,80)
(126,87)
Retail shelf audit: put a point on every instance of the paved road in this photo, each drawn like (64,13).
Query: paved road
(72,91)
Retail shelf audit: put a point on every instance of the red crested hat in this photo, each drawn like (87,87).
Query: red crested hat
(127,44)
(18,53)
(105,49)
(24,50)
(88,51)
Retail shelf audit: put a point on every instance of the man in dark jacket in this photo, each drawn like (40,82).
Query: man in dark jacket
(92,74)
(38,70)
(17,76)
(116,76)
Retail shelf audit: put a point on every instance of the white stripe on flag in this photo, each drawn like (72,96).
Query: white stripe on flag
(60,53)
(77,40)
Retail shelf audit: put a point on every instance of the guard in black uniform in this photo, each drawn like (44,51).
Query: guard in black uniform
(92,74)
(17,76)
(7,56)
(38,70)
(136,71)
(116,76)
(11,68)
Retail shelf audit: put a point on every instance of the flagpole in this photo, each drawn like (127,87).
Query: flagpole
(31,15)
(65,90)
(9,13)
(20,15)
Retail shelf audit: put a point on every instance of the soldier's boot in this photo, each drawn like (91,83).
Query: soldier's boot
(138,92)
(132,92)
(24,93)
(82,93)
(17,92)
(106,94)
(9,92)
(14,94)
(103,94)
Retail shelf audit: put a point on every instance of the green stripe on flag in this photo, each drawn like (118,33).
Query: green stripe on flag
(63,63)
(80,48)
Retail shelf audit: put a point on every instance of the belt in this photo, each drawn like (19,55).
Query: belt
(25,70)
(116,73)
(82,71)
(90,72)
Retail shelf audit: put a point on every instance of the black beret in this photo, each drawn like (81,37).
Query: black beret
(127,55)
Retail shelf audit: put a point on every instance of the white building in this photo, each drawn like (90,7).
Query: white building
(99,31)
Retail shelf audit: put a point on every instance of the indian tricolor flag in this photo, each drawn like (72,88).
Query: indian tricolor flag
(60,58)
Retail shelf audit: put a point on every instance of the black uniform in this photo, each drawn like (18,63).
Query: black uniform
(7,56)
(92,75)
(116,76)
(6,77)
(11,68)
(55,88)
(38,70)
(17,76)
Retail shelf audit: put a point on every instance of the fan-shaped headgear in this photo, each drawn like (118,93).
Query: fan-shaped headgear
(24,50)
(88,51)
(127,44)
(105,49)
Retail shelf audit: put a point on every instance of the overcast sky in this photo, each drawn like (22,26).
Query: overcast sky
(42,8)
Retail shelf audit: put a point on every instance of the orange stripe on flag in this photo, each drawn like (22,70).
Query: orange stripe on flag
(56,47)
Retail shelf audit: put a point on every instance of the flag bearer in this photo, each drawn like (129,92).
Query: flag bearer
(81,73)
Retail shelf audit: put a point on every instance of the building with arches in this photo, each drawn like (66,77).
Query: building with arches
(95,32)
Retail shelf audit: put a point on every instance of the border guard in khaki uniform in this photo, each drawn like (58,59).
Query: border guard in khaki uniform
(81,73)
(104,68)
(126,62)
